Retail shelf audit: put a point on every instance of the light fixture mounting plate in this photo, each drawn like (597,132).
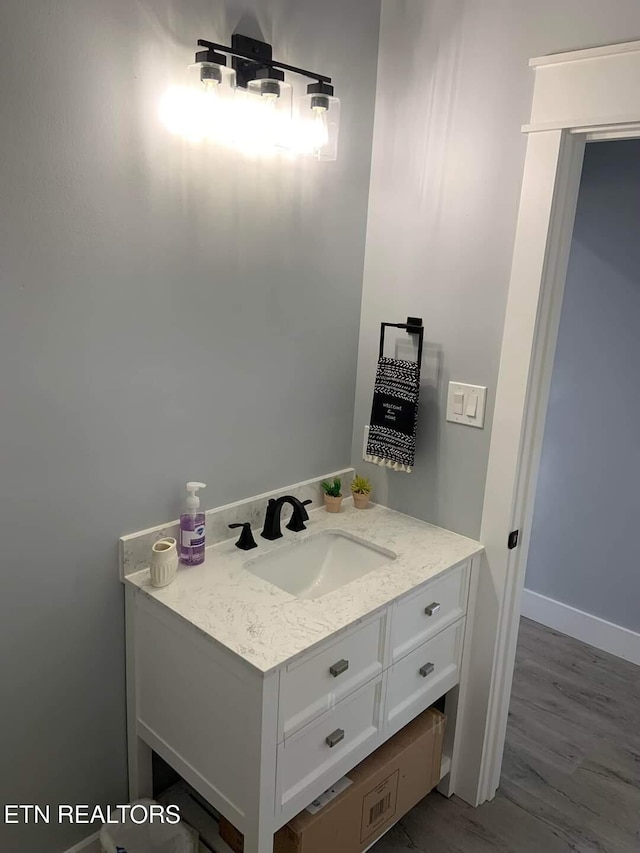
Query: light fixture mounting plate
(247,69)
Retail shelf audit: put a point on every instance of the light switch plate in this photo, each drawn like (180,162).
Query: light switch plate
(474,397)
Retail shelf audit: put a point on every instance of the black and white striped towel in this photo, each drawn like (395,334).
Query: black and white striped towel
(394,414)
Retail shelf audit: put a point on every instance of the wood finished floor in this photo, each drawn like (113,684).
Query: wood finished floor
(571,773)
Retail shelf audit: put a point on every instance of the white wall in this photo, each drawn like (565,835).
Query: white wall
(454,88)
(583,539)
(165,314)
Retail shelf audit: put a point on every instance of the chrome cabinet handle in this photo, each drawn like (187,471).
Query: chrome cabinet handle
(334,738)
(338,668)
(427,669)
(432,608)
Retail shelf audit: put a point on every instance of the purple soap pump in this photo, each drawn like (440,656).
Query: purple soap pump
(192,528)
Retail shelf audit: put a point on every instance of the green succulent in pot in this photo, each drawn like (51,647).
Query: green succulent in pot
(361,490)
(332,494)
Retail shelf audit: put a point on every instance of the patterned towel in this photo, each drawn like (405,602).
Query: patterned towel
(394,414)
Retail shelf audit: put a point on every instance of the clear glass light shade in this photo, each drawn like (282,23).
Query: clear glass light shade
(263,117)
(317,126)
(203,109)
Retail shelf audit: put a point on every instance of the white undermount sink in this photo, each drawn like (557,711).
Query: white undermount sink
(319,563)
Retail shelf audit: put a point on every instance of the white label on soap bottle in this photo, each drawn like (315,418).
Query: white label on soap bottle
(193,538)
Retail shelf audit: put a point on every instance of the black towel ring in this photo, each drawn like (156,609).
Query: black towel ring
(413,326)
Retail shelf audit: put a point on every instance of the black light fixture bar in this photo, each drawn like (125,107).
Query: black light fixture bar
(258,53)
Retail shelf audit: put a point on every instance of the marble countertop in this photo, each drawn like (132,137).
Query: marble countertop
(266,626)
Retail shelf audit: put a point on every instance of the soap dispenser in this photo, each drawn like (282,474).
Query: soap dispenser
(192,525)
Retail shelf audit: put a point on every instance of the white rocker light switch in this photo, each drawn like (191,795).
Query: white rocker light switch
(466,404)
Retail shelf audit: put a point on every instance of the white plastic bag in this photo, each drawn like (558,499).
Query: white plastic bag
(155,837)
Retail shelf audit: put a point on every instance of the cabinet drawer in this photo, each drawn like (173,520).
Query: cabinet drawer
(313,758)
(425,612)
(315,684)
(416,681)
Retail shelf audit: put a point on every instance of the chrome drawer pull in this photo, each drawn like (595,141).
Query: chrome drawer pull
(338,668)
(432,608)
(334,738)
(427,669)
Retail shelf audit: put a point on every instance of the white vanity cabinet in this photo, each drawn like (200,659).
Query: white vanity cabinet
(260,746)
(320,679)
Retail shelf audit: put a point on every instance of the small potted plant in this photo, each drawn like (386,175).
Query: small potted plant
(361,491)
(332,494)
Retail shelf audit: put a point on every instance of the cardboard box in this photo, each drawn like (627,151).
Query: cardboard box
(383,788)
(230,835)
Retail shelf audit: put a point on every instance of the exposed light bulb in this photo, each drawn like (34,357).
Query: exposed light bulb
(210,76)
(214,112)
(270,90)
(318,122)
(263,119)
(320,102)
(320,128)
(255,120)
(201,110)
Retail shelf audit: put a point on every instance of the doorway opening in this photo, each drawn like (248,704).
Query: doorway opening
(581,576)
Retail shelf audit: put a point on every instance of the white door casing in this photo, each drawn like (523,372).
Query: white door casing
(583,95)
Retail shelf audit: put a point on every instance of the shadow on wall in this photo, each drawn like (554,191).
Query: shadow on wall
(248,26)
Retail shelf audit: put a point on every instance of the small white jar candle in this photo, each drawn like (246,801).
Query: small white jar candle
(164,562)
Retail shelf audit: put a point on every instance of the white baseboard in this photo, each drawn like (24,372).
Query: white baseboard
(582,626)
(89,845)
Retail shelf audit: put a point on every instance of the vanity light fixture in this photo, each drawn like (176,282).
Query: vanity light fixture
(251,106)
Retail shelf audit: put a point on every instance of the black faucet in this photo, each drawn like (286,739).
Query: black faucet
(246,541)
(271,529)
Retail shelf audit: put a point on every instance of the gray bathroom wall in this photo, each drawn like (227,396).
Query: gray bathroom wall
(583,539)
(454,88)
(166,313)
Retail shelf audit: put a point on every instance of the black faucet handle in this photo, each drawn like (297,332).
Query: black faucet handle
(299,516)
(246,541)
